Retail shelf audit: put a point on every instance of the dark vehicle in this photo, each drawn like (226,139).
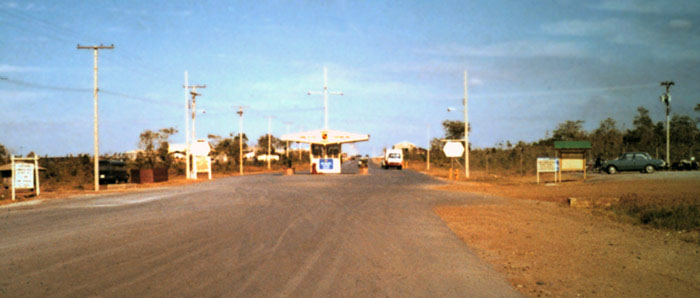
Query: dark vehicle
(363,162)
(113,171)
(685,165)
(633,161)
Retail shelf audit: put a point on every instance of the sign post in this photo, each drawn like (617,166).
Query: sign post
(453,149)
(23,174)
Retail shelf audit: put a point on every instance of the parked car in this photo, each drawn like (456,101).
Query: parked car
(633,161)
(113,171)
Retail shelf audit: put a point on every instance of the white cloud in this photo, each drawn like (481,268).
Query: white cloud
(27,6)
(522,48)
(652,38)
(475,81)
(680,24)
(650,6)
(5,68)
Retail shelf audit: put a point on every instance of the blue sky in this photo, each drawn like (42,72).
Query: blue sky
(531,64)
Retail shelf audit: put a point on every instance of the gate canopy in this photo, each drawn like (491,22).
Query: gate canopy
(325,137)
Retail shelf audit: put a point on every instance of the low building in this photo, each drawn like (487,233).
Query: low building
(265,157)
(405,145)
(177,150)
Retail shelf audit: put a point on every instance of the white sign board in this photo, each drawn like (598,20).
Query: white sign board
(200,148)
(453,149)
(24,175)
(547,164)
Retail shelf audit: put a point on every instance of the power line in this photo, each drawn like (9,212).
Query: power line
(73,89)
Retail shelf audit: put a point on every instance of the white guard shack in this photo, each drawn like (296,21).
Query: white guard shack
(326,147)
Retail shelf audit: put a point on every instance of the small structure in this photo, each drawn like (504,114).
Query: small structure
(405,145)
(177,150)
(326,147)
(22,173)
(572,156)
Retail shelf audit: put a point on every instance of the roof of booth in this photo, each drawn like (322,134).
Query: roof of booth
(331,137)
(572,145)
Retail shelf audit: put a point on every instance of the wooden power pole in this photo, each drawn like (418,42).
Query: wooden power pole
(96,139)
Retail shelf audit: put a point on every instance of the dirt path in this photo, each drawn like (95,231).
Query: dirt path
(548,249)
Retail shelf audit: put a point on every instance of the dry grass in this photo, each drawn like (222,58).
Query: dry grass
(72,186)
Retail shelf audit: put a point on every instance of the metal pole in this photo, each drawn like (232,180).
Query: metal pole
(466,130)
(187,130)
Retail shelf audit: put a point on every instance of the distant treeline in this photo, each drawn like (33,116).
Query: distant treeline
(607,141)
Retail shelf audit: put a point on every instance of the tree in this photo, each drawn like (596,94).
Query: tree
(454,129)
(569,131)
(4,154)
(606,140)
(230,147)
(274,143)
(155,147)
(684,132)
(645,135)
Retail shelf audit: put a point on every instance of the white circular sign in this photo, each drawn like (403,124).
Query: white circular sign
(453,149)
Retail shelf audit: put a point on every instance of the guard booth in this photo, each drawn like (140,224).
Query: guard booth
(326,147)
(572,156)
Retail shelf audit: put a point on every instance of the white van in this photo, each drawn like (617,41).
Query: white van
(393,158)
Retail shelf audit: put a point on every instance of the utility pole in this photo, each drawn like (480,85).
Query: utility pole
(428,149)
(466,130)
(194,130)
(95,132)
(240,140)
(666,98)
(187,129)
(269,143)
(325,97)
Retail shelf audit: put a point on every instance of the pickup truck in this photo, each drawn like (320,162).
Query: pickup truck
(393,158)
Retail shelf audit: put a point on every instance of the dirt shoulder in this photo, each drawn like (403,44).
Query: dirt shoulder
(546,248)
(53,190)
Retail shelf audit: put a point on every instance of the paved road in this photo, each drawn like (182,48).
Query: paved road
(261,235)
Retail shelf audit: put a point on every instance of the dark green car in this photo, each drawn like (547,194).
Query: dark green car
(633,161)
(113,171)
